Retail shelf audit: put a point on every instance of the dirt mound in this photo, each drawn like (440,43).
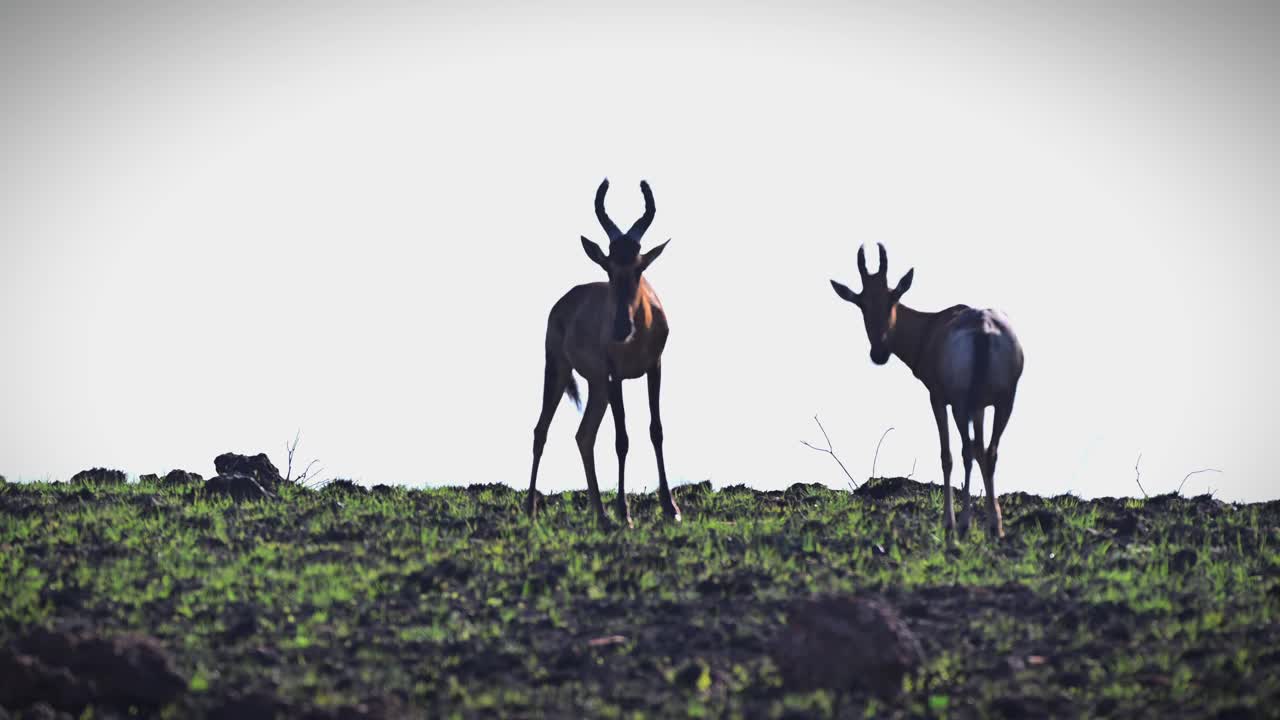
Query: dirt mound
(1125,524)
(843,642)
(72,670)
(98,476)
(695,489)
(342,486)
(237,487)
(893,487)
(181,477)
(258,467)
(1046,520)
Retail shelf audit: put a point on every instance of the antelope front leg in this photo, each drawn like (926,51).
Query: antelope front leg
(665,498)
(597,399)
(621,443)
(948,510)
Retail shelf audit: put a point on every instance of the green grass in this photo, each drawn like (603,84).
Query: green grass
(448,602)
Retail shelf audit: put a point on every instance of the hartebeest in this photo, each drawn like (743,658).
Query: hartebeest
(608,332)
(967,358)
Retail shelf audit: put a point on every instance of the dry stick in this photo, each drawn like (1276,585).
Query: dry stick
(830,451)
(288,475)
(306,472)
(877,455)
(913,468)
(1138,476)
(1195,472)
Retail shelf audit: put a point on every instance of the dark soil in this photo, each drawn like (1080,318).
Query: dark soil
(166,599)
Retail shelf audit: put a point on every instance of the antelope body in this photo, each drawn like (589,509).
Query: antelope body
(967,358)
(608,332)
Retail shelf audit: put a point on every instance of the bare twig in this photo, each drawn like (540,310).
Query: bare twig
(306,473)
(1195,472)
(830,451)
(289,449)
(307,478)
(913,468)
(877,455)
(1138,476)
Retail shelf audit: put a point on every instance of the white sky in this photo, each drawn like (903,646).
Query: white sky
(220,225)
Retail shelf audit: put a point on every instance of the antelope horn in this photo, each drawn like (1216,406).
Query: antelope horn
(862,263)
(610,229)
(884,260)
(637,230)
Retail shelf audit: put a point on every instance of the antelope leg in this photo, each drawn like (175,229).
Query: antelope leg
(940,417)
(620,444)
(665,498)
(555,379)
(597,400)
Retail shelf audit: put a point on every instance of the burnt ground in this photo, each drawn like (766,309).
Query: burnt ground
(161,599)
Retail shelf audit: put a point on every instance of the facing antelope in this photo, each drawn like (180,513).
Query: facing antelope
(608,332)
(967,358)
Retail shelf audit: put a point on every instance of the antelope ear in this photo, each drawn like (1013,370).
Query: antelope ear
(648,258)
(846,294)
(903,285)
(595,253)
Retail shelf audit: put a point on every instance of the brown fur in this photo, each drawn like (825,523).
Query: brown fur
(924,342)
(583,336)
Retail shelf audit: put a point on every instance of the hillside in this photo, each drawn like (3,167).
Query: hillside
(346,602)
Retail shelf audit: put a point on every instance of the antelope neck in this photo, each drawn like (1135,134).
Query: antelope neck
(907,334)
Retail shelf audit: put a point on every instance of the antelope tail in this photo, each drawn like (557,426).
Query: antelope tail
(572,391)
(981,360)
(551,379)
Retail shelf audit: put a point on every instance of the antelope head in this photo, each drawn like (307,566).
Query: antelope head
(877,301)
(624,263)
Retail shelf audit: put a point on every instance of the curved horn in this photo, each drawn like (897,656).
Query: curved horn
(862,263)
(637,230)
(609,228)
(884,261)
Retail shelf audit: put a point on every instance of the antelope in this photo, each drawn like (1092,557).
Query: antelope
(608,332)
(967,358)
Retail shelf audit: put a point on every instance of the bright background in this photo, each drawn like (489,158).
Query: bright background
(223,223)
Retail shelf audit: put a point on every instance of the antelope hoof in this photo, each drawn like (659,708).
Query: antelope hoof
(531,505)
(624,516)
(605,523)
(672,512)
(965,518)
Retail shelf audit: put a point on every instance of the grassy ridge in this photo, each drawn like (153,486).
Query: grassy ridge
(448,602)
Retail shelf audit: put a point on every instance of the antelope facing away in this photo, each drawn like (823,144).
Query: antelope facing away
(967,358)
(608,332)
